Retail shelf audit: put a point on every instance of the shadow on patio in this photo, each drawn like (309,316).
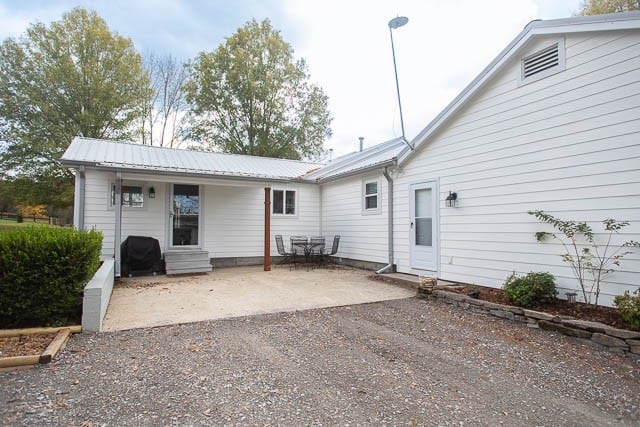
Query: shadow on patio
(241,291)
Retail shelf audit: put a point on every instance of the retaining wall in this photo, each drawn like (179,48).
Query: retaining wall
(97,295)
(618,340)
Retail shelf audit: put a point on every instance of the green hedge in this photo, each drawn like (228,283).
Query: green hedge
(43,271)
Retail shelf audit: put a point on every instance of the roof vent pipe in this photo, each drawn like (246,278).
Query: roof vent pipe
(361,139)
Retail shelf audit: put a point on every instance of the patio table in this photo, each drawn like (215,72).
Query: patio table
(306,245)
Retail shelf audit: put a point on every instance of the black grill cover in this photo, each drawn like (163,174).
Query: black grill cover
(140,255)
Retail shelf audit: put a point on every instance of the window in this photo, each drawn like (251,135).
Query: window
(543,63)
(284,202)
(371,199)
(132,196)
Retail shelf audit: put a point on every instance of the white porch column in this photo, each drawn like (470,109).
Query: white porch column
(118,223)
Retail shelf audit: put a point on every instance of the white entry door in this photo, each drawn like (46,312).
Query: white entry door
(424,226)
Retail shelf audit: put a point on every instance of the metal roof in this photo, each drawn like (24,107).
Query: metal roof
(373,157)
(129,156)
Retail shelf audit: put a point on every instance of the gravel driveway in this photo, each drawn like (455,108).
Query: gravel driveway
(402,362)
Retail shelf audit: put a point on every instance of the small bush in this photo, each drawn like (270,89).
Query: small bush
(43,271)
(629,307)
(531,289)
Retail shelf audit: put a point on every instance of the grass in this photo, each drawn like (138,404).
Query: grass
(6,224)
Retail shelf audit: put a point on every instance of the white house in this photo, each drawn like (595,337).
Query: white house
(552,123)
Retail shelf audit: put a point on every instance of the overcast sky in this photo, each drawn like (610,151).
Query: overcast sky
(345,42)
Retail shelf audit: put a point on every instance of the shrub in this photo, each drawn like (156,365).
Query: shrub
(531,289)
(584,254)
(42,274)
(629,307)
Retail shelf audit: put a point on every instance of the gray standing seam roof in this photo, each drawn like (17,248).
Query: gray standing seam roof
(124,155)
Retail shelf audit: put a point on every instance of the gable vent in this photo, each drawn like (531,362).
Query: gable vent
(541,61)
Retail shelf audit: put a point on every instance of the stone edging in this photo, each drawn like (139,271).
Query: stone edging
(618,340)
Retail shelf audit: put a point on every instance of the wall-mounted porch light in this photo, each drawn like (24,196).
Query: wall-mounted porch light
(452,199)
(152,193)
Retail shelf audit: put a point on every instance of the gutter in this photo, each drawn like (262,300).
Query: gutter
(384,164)
(71,163)
(389,268)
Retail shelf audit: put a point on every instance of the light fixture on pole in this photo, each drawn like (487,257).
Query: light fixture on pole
(398,22)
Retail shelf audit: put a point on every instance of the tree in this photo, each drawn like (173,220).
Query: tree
(251,97)
(598,7)
(165,109)
(72,78)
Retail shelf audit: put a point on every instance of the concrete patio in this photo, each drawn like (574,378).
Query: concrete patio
(242,291)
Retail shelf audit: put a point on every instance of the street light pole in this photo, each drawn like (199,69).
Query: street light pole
(398,22)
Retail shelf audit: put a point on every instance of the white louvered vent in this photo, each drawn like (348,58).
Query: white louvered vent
(541,61)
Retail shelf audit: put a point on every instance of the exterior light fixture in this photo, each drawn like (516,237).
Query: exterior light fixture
(452,199)
(152,193)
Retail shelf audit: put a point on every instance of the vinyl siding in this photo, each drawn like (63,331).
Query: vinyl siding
(234,219)
(146,221)
(363,236)
(568,144)
(233,215)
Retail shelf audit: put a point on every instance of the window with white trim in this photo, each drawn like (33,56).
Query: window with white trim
(132,196)
(371,195)
(543,63)
(283,202)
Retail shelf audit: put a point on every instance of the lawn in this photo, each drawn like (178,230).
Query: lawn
(6,224)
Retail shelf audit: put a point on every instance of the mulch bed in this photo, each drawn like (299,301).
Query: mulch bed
(25,345)
(607,315)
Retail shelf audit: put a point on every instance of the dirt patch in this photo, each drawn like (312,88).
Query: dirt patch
(25,345)
(607,315)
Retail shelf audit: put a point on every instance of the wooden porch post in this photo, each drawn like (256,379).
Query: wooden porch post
(267,229)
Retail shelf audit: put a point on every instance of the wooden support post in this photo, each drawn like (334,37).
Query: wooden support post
(267,229)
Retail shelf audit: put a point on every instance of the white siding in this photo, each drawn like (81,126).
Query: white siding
(234,219)
(363,236)
(146,221)
(568,144)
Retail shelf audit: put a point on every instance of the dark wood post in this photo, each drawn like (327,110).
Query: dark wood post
(267,229)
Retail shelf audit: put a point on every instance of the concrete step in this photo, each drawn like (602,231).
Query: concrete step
(194,255)
(175,265)
(188,270)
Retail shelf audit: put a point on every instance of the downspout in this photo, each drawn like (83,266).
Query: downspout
(389,268)
(81,197)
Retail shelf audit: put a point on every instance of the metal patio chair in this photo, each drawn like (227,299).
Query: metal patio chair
(287,256)
(334,247)
(299,245)
(317,248)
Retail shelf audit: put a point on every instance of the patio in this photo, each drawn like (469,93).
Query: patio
(150,301)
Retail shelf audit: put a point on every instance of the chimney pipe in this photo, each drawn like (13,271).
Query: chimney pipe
(361,138)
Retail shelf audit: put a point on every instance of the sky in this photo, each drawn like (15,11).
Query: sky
(346,44)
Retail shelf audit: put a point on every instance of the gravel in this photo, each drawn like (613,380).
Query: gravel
(402,362)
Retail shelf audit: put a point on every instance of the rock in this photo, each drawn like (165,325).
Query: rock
(586,325)
(566,330)
(457,297)
(622,333)
(494,306)
(538,315)
(503,313)
(608,340)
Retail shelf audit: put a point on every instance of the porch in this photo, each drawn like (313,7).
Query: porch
(150,301)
